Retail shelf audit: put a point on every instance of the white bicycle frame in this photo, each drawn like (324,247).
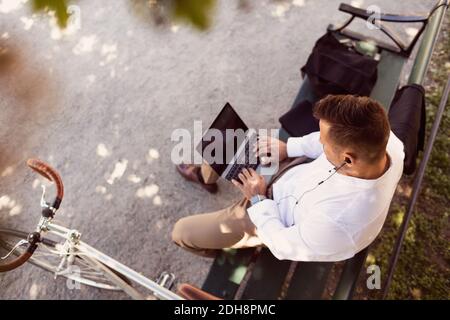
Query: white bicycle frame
(106,264)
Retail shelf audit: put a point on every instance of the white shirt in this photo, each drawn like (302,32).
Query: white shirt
(336,219)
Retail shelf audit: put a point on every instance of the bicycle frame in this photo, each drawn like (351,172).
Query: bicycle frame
(106,263)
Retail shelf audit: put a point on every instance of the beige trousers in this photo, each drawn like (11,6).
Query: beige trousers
(205,234)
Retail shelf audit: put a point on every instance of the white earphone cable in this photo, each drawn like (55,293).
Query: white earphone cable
(297,200)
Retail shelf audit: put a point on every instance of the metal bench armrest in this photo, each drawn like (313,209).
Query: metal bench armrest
(366,14)
(378,19)
(349,276)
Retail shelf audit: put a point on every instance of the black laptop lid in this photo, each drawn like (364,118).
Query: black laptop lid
(227,119)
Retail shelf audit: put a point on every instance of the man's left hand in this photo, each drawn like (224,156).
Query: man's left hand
(252,183)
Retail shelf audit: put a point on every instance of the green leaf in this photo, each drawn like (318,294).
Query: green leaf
(57,6)
(196,12)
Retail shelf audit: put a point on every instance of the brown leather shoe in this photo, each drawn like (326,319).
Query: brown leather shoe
(192,173)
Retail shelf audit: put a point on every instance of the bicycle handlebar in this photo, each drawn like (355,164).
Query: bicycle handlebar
(51,174)
(33,239)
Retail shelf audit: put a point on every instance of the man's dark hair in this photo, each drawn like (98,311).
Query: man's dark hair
(357,122)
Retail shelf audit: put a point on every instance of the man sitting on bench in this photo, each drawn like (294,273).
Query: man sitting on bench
(327,209)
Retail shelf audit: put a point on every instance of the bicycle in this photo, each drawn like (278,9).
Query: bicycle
(70,257)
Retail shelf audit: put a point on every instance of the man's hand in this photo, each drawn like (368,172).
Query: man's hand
(271,150)
(252,183)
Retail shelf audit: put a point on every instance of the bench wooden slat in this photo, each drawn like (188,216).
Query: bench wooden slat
(267,277)
(309,280)
(348,279)
(389,71)
(227,271)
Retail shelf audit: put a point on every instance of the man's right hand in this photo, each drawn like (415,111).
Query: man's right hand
(270,150)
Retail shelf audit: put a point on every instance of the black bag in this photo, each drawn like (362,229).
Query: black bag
(299,120)
(334,68)
(408,119)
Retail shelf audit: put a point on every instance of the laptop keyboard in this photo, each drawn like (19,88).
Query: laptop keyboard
(243,161)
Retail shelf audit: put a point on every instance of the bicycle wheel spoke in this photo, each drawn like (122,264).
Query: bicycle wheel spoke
(91,272)
(45,254)
(84,263)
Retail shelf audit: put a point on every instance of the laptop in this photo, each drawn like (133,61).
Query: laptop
(229,133)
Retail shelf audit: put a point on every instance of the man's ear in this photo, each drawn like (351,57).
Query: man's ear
(349,158)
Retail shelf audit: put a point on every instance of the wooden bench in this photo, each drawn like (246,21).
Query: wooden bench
(254,273)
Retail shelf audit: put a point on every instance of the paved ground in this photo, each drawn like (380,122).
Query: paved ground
(110,96)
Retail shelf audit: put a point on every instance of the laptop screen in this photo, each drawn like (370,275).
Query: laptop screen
(228,124)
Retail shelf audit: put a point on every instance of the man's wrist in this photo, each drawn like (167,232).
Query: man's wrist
(257,198)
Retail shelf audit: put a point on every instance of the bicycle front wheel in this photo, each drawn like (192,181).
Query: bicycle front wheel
(49,255)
